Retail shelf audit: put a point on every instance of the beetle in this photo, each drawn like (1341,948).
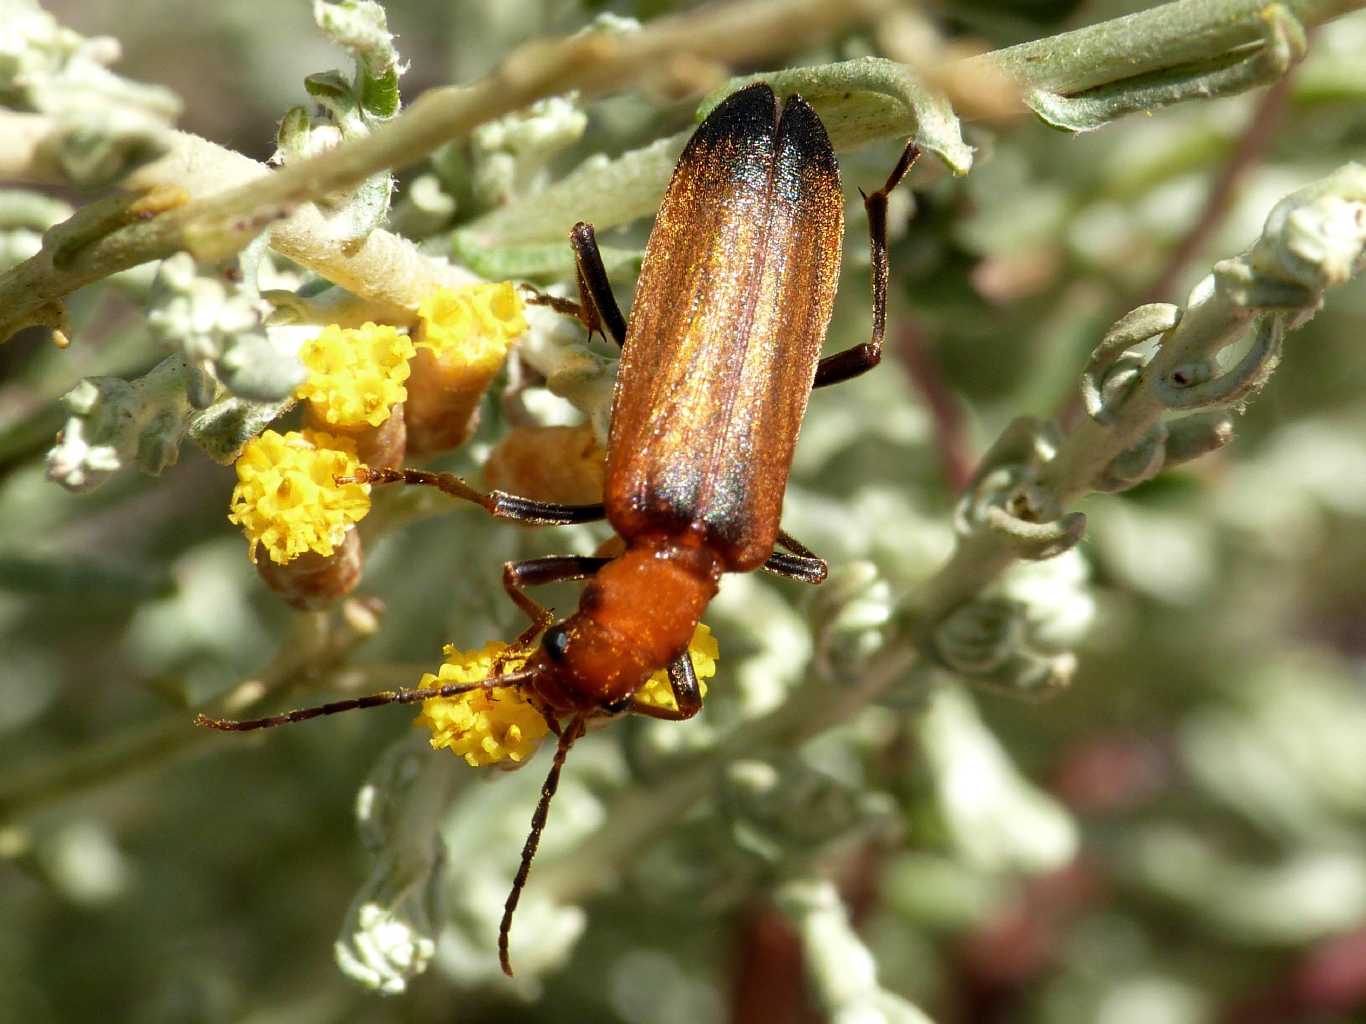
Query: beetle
(718,360)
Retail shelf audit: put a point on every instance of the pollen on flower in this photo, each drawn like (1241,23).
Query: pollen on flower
(472,325)
(482,726)
(703,650)
(287,497)
(355,376)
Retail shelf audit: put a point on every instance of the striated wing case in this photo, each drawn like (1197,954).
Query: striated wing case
(726,329)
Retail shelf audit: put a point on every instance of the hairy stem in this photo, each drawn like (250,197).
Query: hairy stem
(217,227)
(1184,32)
(946,412)
(1272,288)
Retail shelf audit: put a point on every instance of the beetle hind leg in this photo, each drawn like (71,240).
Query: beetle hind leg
(860,359)
(802,564)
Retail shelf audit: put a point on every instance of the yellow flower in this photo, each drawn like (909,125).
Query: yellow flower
(356,376)
(703,650)
(473,325)
(482,726)
(287,498)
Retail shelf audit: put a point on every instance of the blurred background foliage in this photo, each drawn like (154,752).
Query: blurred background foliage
(1210,754)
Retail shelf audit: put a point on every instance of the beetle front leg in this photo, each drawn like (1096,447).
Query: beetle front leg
(686,690)
(860,359)
(565,307)
(537,572)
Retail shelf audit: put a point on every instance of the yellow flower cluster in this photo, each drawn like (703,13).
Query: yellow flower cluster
(287,497)
(703,650)
(482,726)
(355,376)
(473,325)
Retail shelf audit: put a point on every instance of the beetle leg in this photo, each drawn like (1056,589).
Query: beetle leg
(686,690)
(795,567)
(802,565)
(597,307)
(498,504)
(537,572)
(797,547)
(595,291)
(566,307)
(583,311)
(527,510)
(861,358)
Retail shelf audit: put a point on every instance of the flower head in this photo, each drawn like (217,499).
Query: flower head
(287,497)
(703,650)
(355,376)
(472,325)
(482,726)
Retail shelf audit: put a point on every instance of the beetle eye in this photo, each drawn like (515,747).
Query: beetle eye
(555,642)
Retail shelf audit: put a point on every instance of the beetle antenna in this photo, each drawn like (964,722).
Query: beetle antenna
(373,700)
(571,732)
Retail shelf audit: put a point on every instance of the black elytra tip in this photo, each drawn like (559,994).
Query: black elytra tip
(751,113)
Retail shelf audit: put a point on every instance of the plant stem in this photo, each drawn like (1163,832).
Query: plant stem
(946,413)
(217,227)
(1252,143)
(1276,285)
(314,645)
(638,816)
(1184,32)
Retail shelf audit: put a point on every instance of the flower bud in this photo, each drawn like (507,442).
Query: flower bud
(560,464)
(462,340)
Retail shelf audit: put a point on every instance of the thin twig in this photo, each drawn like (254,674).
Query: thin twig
(1251,146)
(946,413)
(1173,34)
(768,967)
(313,646)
